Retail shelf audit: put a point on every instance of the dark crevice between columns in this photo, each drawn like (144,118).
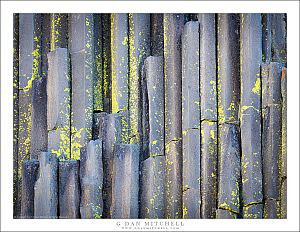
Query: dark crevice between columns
(217,105)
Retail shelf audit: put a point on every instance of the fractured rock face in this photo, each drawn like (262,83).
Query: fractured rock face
(229,175)
(209,162)
(58,89)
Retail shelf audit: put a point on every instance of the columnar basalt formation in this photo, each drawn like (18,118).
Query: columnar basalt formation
(157,116)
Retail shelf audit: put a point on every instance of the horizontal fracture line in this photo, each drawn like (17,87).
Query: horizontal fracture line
(192,128)
(229,123)
(173,140)
(60,129)
(208,120)
(230,210)
(99,111)
(253,203)
(185,189)
(154,156)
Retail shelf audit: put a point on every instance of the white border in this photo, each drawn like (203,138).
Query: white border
(10,7)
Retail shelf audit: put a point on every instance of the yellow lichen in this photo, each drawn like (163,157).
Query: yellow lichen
(256,88)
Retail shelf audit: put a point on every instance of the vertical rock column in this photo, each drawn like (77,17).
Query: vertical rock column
(98,53)
(157,34)
(139,49)
(69,195)
(271,137)
(153,167)
(46,187)
(81,46)
(173,27)
(155,94)
(28,70)
(91,179)
(58,30)
(58,103)
(153,189)
(106,61)
(191,121)
(208,94)
(278,37)
(15,113)
(99,123)
(274,34)
(250,111)
(266,38)
(229,172)
(228,115)
(120,70)
(125,183)
(45,43)
(283,194)
(30,172)
(39,133)
(119,59)
(111,132)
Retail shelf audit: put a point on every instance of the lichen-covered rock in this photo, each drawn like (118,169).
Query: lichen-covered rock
(251,162)
(209,167)
(254,211)
(230,166)
(190,77)
(208,78)
(191,208)
(119,62)
(173,28)
(173,182)
(152,188)
(228,68)
(58,90)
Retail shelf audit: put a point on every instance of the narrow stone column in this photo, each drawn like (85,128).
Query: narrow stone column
(91,179)
(46,188)
(250,109)
(81,47)
(173,27)
(58,103)
(69,191)
(191,121)
(30,172)
(125,184)
(153,189)
(119,62)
